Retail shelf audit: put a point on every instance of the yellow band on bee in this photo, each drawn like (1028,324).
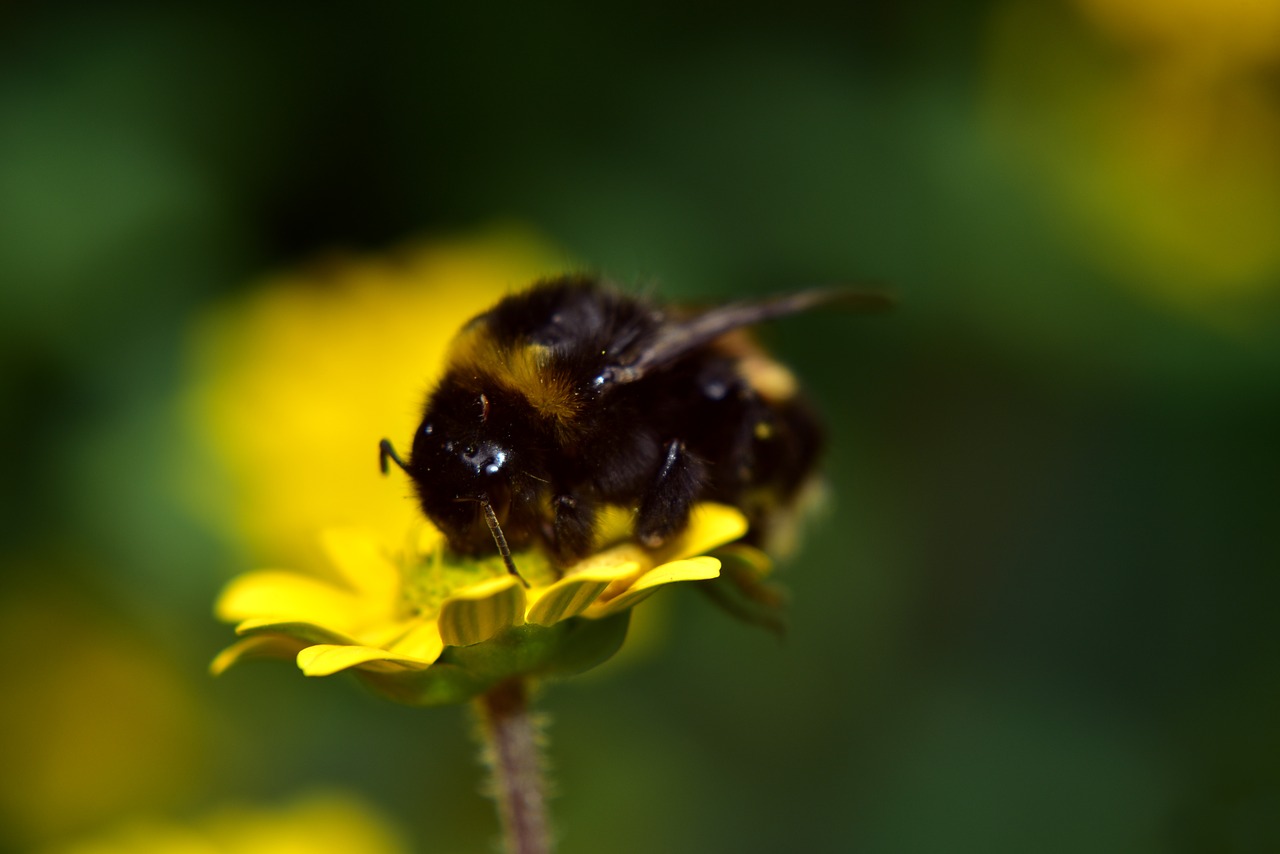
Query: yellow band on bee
(522,368)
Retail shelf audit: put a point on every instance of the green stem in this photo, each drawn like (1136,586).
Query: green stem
(514,750)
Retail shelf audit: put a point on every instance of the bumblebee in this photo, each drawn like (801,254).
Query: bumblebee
(573,395)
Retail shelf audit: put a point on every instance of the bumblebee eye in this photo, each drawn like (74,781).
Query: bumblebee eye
(484,408)
(428,429)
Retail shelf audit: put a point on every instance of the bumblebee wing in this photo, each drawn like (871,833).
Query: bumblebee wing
(676,339)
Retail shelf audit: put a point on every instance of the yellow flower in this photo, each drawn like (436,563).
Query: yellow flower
(293,385)
(314,823)
(74,761)
(421,627)
(1153,132)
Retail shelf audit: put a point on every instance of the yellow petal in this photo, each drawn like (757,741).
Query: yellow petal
(308,633)
(383,635)
(479,612)
(614,524)
(693,569)
(387,634)
(359,556)
(429,539)
(258,646)
(573,594)
(277,595)
(422,642)
(326,659)
(710,525)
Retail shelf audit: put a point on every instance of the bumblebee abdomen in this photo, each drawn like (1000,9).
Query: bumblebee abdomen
(742,414)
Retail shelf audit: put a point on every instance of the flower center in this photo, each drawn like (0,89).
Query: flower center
(428,579)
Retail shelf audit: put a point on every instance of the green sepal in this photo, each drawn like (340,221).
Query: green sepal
(465,672)
(744,591)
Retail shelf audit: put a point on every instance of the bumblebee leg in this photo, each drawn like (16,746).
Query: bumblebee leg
(573,528)
(664,509)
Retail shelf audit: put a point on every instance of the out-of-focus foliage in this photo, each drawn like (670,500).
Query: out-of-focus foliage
(1039,615)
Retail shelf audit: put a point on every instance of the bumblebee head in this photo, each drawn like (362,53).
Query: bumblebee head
(456,465)
(470,464)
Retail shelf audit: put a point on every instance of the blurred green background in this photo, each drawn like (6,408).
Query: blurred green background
(1041,614)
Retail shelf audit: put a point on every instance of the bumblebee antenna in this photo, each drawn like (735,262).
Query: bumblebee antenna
(387,451)
(491,518)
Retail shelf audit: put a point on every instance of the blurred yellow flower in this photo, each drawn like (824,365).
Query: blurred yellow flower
(316,824)
(96,721)
(294,384)
(1154,127)
(1218,35)
(421,627)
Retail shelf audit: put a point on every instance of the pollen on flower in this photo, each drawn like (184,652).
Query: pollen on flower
(427,579)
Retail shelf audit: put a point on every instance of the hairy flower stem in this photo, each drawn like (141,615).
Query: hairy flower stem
(514,751)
